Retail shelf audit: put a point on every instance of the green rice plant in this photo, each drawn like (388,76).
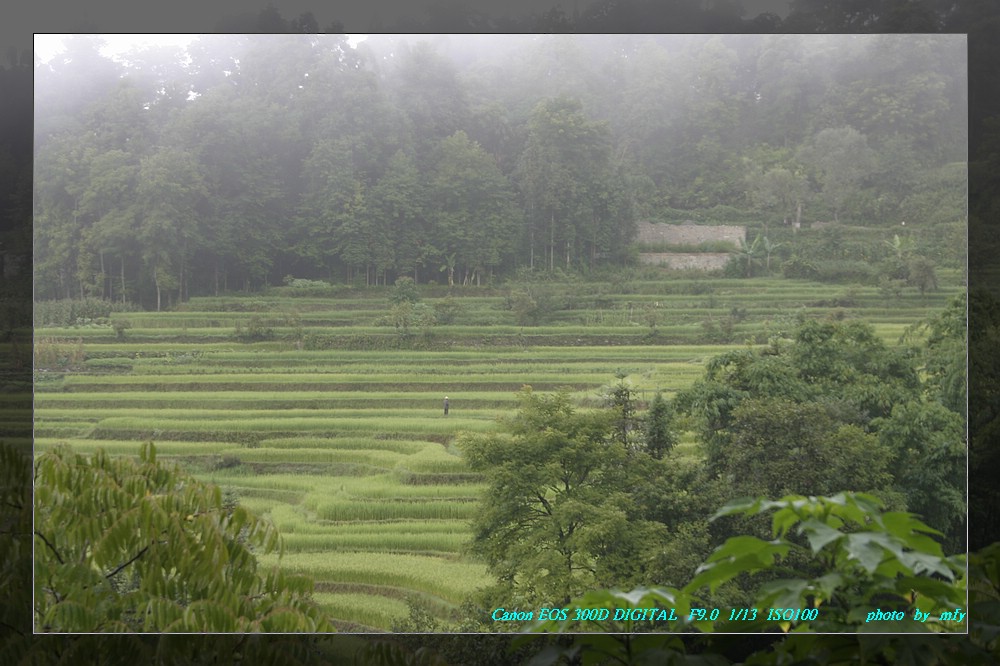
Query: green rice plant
(394,416)
(447,579)
(269,496)
(386,459)
(433,460)
(373,611)
(387,486)
(403,446)
(130,447)
(299,483)
(347,509)
(259,505)
(411,542)
(326,424)
(52,353)
(300,520)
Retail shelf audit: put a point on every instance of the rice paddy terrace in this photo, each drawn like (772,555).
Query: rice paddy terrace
(316,412)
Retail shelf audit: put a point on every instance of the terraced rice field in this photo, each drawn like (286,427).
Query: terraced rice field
(345,447)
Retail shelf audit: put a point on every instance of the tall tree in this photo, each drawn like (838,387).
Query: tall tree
(557,517)
(568,182)
(476,219)
(328,206)
(110,199)
(430,93)
(399,202)
(173,197)
(840,159)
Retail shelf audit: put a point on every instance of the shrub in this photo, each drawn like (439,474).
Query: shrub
(227,461)
(68,312)
(54,354)
(844,270)
(257,330)
(404,291)
(890,288)
(446,310)
(120,326)
(300,283)
(797,268)
(525,308)
(847,299)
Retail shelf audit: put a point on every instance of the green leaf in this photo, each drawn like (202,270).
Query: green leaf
(785,593)
(865,549)
(818,534)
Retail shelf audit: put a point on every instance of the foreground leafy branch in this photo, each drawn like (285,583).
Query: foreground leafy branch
(128,545)
(857,559)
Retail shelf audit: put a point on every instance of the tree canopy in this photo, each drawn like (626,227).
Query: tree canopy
(558,517)
(162,174)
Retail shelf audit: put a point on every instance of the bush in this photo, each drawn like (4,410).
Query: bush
(524,307)
(120,326)
(844,270)
(890,288)
(54,354)
(257,330)
(847,299)
(797,268)
(404,291)
(300,283)
(227,461)
(446,310)
(717,331)
(70,312)
(735,268)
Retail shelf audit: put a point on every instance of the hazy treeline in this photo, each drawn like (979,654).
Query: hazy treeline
(163,174)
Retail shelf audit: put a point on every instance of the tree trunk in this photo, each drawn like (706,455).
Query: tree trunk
(531,249)
(182,292)
(156,281)
(104,277)
(123,278)
(552,241)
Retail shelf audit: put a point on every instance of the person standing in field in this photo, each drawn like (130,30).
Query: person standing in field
(446,405)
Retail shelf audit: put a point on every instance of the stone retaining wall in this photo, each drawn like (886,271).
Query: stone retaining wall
(689,234)
(702,261)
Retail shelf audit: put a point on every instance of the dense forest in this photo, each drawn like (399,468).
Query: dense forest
(249,159)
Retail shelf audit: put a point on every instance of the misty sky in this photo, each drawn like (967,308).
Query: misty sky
(188,16)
